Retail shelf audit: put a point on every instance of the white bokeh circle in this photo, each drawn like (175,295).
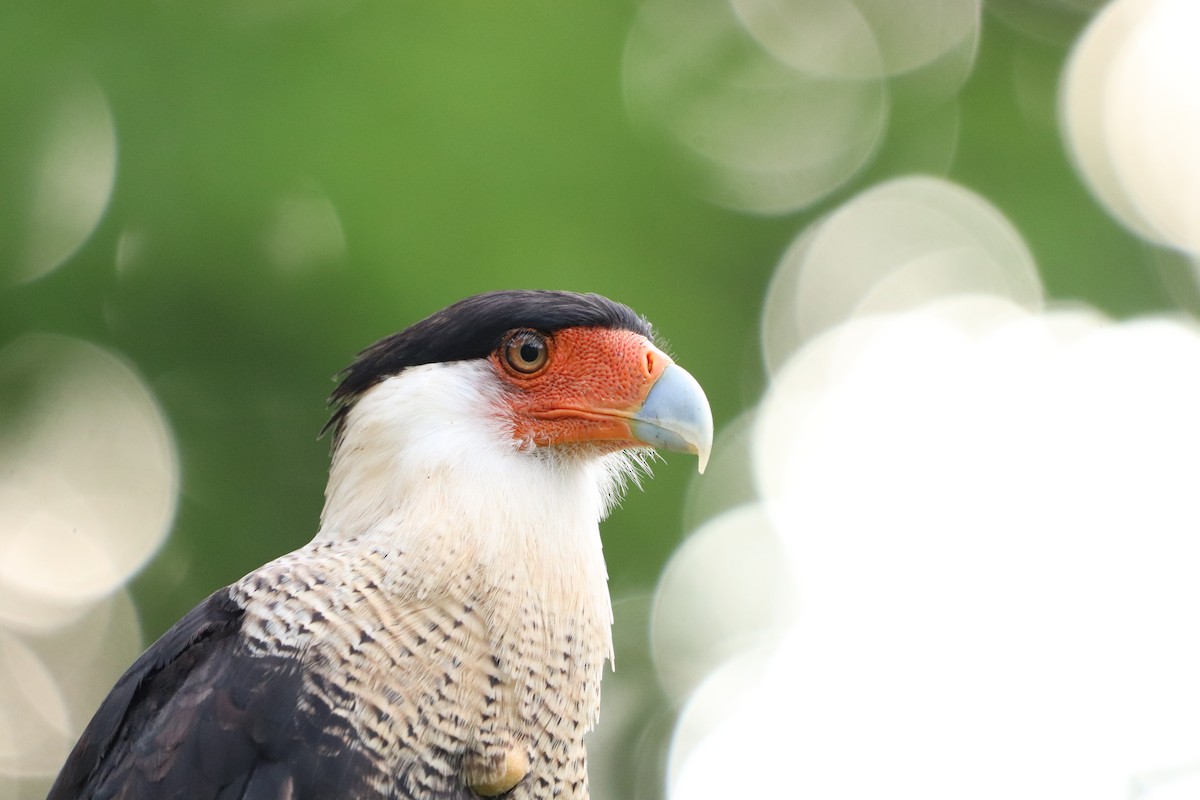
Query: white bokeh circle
(894,246)
(1131,116)
(89,479)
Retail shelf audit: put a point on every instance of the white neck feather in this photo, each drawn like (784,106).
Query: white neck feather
(427,456)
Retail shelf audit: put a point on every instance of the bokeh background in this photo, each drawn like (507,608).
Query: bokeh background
(934,262)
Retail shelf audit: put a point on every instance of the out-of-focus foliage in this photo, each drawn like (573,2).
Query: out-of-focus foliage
(236,196)
(296,180)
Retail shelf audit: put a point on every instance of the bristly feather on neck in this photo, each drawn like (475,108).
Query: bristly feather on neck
(432,443)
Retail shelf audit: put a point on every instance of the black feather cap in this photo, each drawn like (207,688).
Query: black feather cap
(473,328)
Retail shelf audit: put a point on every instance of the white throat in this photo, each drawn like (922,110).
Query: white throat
(433,443)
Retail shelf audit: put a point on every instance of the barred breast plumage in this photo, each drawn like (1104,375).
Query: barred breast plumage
(476,680)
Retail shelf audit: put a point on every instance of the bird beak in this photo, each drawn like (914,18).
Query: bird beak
(675,415)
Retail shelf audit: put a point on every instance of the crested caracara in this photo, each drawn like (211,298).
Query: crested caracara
(443,635)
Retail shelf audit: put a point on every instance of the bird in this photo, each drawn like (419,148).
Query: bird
(444,634)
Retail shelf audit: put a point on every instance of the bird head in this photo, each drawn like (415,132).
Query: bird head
(567,370)
(541,376)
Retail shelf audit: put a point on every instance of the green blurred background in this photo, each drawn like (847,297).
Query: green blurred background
(298,178)
(465,147)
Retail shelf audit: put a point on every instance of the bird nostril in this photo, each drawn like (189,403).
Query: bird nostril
(649,363)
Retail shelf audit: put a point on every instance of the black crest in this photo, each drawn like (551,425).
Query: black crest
(472,328)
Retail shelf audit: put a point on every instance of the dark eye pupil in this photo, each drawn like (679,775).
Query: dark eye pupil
(526,352)
(530,351)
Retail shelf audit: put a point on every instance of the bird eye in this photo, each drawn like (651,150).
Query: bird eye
(526,352)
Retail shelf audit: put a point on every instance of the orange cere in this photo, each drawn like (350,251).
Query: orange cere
(592,382)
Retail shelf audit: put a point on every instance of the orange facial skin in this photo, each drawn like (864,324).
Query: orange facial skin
(592,381)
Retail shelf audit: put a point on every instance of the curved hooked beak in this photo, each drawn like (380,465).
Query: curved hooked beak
(675,415)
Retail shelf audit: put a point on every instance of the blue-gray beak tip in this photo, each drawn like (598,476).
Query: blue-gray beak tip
(676,416)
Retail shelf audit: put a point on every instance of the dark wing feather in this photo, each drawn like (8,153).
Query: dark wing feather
(143,689)
(196,717)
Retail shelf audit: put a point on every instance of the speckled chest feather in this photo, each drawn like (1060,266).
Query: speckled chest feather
(473,682)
